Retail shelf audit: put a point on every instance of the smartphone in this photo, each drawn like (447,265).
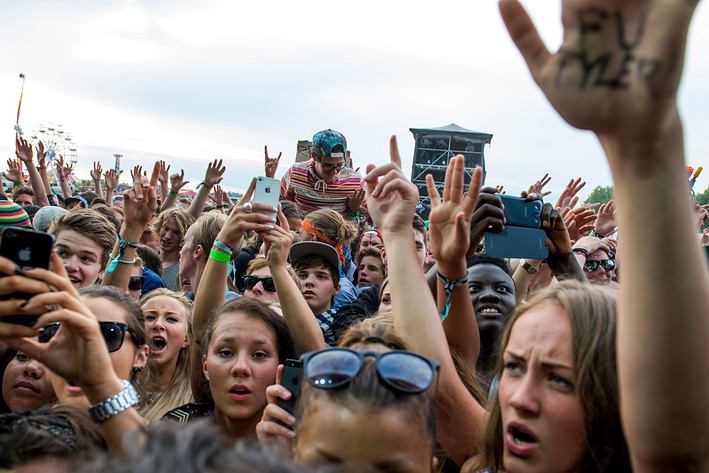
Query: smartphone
(25,248)
(290,379)
(517,242)
(522,212)
(267,191)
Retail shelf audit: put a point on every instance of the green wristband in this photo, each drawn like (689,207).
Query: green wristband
(219,256)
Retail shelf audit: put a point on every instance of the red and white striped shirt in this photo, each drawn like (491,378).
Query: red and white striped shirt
(302,186)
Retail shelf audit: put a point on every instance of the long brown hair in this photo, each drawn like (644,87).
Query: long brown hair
(592,313)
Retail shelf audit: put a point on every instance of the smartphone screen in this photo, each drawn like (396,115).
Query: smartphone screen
(290,379)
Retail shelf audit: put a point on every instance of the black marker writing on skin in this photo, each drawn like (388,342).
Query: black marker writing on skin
(609,69)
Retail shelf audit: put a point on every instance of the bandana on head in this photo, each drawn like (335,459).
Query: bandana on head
(314,231)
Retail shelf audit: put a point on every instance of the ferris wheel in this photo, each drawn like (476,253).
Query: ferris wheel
(57,142)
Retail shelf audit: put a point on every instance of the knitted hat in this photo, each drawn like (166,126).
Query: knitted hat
(45,216)
(12,215)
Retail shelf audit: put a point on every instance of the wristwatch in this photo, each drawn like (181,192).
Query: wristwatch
(115,404)
(528,267)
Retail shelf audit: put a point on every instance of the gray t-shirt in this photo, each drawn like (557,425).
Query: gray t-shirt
(169,277)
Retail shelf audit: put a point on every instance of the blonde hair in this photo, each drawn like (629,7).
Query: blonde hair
(178,390)
(332,225)
(260,262)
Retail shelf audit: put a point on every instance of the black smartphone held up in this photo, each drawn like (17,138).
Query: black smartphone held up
(517,242)
(25,248)
(522,212)
(290,379)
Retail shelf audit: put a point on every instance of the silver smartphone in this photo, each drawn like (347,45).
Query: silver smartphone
(267,191)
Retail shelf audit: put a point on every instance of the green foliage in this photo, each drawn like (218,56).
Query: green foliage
(703,198)
(600,195)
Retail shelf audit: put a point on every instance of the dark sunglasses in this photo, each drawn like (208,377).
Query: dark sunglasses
(135,283)
(251,281)
(113,334)
(399,370)
(591,266)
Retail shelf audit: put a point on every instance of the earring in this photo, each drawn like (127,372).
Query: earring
(138,369)
(207,376)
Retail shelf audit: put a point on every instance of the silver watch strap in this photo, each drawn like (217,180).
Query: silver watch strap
(125,399)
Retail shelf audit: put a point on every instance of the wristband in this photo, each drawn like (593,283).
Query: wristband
(219,256)
(594,233)
(125,399)
(581,251)
(173,193)
(449,285)
(20,183)
(223,247)
(203,184)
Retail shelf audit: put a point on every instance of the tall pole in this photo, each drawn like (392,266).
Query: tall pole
(19,105)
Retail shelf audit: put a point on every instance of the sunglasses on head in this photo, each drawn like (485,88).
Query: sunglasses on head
(606,264)
(399,370)
(251,281)
(113,334)
(135,283)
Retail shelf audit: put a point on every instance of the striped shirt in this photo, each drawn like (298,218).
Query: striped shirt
(302,186)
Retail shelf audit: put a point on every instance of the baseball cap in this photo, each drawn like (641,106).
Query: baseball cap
(325,140)
(305,248)
(76,198)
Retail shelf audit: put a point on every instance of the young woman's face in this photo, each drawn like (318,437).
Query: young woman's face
(385,304)
(240,364)
(124,359)
(26,385)
(337,434)
(166,326)
(258,291)
(542,417)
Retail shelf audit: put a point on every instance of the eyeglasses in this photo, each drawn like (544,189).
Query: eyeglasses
(399,370)
(591,266)
(135,283)
(330,167)
(113,334)
(251,281)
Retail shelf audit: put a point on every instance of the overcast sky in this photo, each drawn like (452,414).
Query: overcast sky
(189,81)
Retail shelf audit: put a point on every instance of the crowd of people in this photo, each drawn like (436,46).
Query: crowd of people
(166,331)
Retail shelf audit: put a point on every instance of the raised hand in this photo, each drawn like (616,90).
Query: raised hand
(488,214)
(538,187)
(214,173)
(14,171)
(391,197)
(558,240)
(579,221)
(355,201)
(240,221)
(64,170)
(218,196)
(23,150)
(449,220)
(271,164)
(566,199)
(605,221)
(177,182)
(40,155)
(618,68)
(96,171)
(164,173)
(140,201)
(110,178)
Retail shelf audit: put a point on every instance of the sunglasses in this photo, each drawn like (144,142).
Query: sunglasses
(135,283)
(591,266)
(251,281)
(113,334)
(399,370)
(330,167)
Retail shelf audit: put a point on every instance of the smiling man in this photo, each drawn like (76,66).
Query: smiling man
(492,292)
(324,181)
(84,241)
